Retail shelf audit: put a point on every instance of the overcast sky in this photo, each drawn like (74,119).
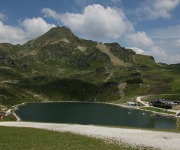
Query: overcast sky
(150,27)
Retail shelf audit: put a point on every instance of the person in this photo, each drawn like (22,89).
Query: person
(1,117)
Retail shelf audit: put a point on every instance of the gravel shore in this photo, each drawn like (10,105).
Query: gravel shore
(137,137)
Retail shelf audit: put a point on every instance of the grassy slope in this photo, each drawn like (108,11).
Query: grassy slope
(75,72)
(27,138)
(158,110)
(157,79)
(162,96)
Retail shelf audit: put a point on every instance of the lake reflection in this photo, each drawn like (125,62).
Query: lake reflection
(92,113)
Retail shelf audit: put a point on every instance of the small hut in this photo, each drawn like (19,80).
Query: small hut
(131,104)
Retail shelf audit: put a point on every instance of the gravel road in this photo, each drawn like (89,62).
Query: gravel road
(156,139)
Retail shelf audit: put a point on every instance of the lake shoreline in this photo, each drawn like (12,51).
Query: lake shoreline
(108,103)
(16,107)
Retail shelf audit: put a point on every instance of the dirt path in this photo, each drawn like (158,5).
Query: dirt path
(110,75)
(159,140)
(138,99)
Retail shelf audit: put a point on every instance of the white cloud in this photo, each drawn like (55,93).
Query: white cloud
(35,27)
(175,58)
(2,16)
(154,9)
(95,22)
(143,44)
(163,50)
(139,38)
(166,33)
(137,50)
(29,29)
(170,47)
(157,51)
(51,14)
(11,34)
(169,40)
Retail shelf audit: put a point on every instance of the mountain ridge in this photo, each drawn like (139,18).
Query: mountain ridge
(61,66)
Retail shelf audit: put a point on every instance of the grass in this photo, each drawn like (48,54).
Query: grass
(146,60)
(9,118)
(32,139)
(158,110)
(175,86)
(72,74)
(162,96)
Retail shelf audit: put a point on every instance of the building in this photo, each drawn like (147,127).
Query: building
(167,104)
(131,104)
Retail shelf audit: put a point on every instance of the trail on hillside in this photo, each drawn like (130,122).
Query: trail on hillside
(110,75)
(122,87)
(103,48)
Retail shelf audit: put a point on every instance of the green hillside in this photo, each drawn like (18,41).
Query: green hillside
(59,66)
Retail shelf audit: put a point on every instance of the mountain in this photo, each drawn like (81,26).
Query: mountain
(61,66)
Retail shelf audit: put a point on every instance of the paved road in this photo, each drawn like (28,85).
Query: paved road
(160,140)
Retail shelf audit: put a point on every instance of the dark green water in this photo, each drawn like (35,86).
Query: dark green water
(92,113)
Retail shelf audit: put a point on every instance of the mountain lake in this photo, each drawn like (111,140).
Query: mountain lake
(92,113)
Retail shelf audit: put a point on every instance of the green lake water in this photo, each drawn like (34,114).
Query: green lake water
(92,113)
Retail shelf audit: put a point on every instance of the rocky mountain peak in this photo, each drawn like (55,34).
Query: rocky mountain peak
(59,33)
(54,35)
